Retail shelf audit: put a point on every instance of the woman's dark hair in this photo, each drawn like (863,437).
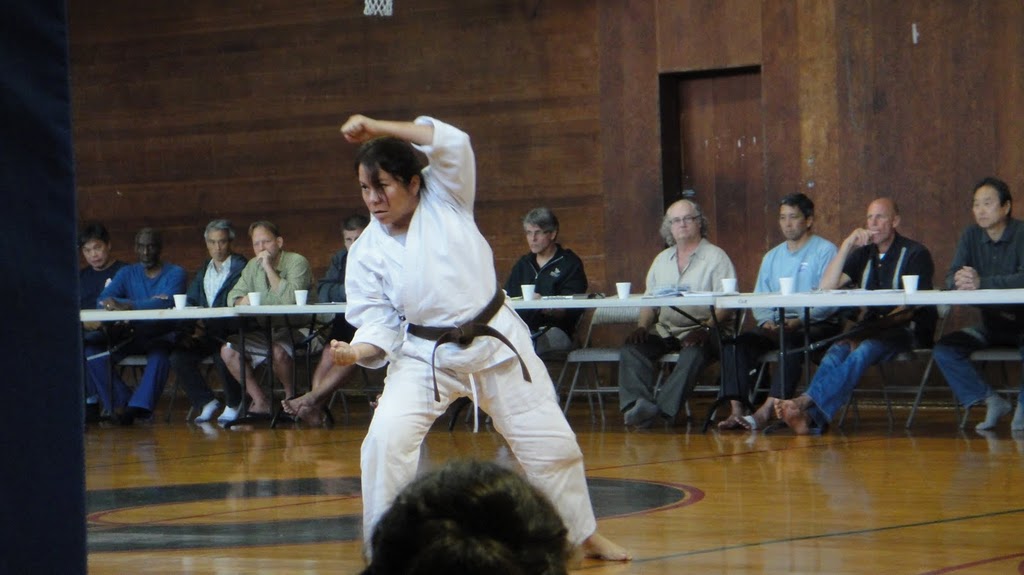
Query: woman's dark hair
(394,156)
(470,517)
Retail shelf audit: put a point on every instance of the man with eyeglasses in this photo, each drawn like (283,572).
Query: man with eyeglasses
(554,270)
(148,284)
(989,255)
(690,262)
(803,257)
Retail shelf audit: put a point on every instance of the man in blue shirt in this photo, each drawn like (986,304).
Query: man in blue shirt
(803,257)
(989,255)
(149,284)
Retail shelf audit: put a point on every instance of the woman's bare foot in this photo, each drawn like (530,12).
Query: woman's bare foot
(790,411)
(598,546)
(305,408)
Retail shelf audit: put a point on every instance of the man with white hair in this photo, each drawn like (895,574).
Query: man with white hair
(690,263)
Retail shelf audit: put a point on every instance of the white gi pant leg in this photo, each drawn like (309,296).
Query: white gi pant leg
(390,453)
(526,414)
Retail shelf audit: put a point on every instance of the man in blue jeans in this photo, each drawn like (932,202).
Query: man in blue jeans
(989,255)
(873,257)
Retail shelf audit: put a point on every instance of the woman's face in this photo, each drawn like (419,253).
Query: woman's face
(388,199)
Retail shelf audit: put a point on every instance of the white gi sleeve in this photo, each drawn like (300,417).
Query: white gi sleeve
(377,320)
(452,164)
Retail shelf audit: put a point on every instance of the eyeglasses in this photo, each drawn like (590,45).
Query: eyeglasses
(684,220)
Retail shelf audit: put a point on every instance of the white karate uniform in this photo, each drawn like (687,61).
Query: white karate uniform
(442,274)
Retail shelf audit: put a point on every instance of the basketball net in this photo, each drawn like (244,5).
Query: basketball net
(377,8)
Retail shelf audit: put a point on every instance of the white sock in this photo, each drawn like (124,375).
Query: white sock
(997,407)
(208,410)
(230,414)
(1018,418)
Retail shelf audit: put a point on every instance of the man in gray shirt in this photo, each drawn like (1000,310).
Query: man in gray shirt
(989,255)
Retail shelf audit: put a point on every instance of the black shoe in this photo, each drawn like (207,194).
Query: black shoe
(140,413)
(122,416)
(92,413)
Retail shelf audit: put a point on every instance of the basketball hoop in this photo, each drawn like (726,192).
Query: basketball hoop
(377,8)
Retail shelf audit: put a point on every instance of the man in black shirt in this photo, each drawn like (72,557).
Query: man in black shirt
(874,257)
(94,242)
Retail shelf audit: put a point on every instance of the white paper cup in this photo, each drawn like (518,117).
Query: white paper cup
(254,297)
(529,291)
(729,285)
(910,284)
(786,285)
(622,288)
(301,296)
(180,300)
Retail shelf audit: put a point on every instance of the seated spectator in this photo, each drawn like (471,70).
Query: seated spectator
(149,284)
(468,518)
(94,241)
(210,287)
(873,257)
(989,255)
(329,377)
(554,270)
(275,274)
(803,257)
(690,262)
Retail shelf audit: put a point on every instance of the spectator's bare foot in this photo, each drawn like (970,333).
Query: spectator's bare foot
(790,411)
(598,546)
(760,418)
(734,421)
(304,408)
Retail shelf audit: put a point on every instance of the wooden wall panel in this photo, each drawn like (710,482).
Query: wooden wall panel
(722,158)
(188,111)
(708,34)
(819,131)
(920,122)
(629,139)
(1007,59)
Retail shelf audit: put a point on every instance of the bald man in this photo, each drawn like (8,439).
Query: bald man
(872,257)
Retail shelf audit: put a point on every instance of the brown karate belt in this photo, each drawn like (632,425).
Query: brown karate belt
(465,333)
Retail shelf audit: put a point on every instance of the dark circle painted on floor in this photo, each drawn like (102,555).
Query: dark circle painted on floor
(610,497)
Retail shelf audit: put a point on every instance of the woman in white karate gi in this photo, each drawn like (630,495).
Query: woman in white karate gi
(423,267)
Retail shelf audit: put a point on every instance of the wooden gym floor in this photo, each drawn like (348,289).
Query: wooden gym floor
(179,498)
